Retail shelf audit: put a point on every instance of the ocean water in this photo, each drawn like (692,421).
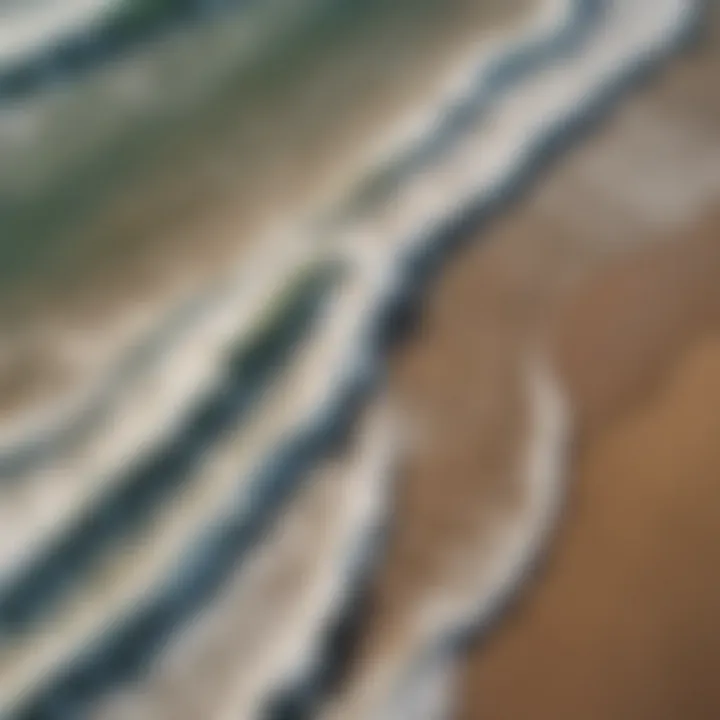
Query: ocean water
(208,229)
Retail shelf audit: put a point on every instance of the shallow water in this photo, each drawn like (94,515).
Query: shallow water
(258,105)
(219,162)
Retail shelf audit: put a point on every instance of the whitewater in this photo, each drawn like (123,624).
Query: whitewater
(270,443)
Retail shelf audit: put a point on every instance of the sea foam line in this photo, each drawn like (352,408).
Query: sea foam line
(25,33)
(364,360)
(59,39)
(499,63)
(660,47)
(318,550)
(33,438)
(197,338)
(512,553)
(635,35)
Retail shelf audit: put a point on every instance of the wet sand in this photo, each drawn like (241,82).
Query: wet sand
(619,288)
(611,264)
(622,622)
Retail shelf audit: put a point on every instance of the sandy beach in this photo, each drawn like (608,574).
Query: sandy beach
(623,288)
(611,266)
(555,393)
(621,623)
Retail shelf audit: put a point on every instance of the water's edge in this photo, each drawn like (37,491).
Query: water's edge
(125,649)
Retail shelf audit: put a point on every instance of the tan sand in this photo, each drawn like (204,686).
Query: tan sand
(614,262)
(623,622)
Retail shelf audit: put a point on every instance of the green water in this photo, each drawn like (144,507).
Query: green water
(259,93)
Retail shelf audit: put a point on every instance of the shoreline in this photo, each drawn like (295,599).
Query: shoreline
(419,258)
(609,94)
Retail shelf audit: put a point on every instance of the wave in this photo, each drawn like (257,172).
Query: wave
(389,246)
(43,42)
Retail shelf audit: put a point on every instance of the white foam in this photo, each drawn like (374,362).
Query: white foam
(264,631)
(45,503)
(396,685)
(51,497)
(632,31)
(224,488)
(28,28)
(521,122)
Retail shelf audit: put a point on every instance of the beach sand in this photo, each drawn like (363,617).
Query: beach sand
(611,265)
(610,270)
(623,623)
